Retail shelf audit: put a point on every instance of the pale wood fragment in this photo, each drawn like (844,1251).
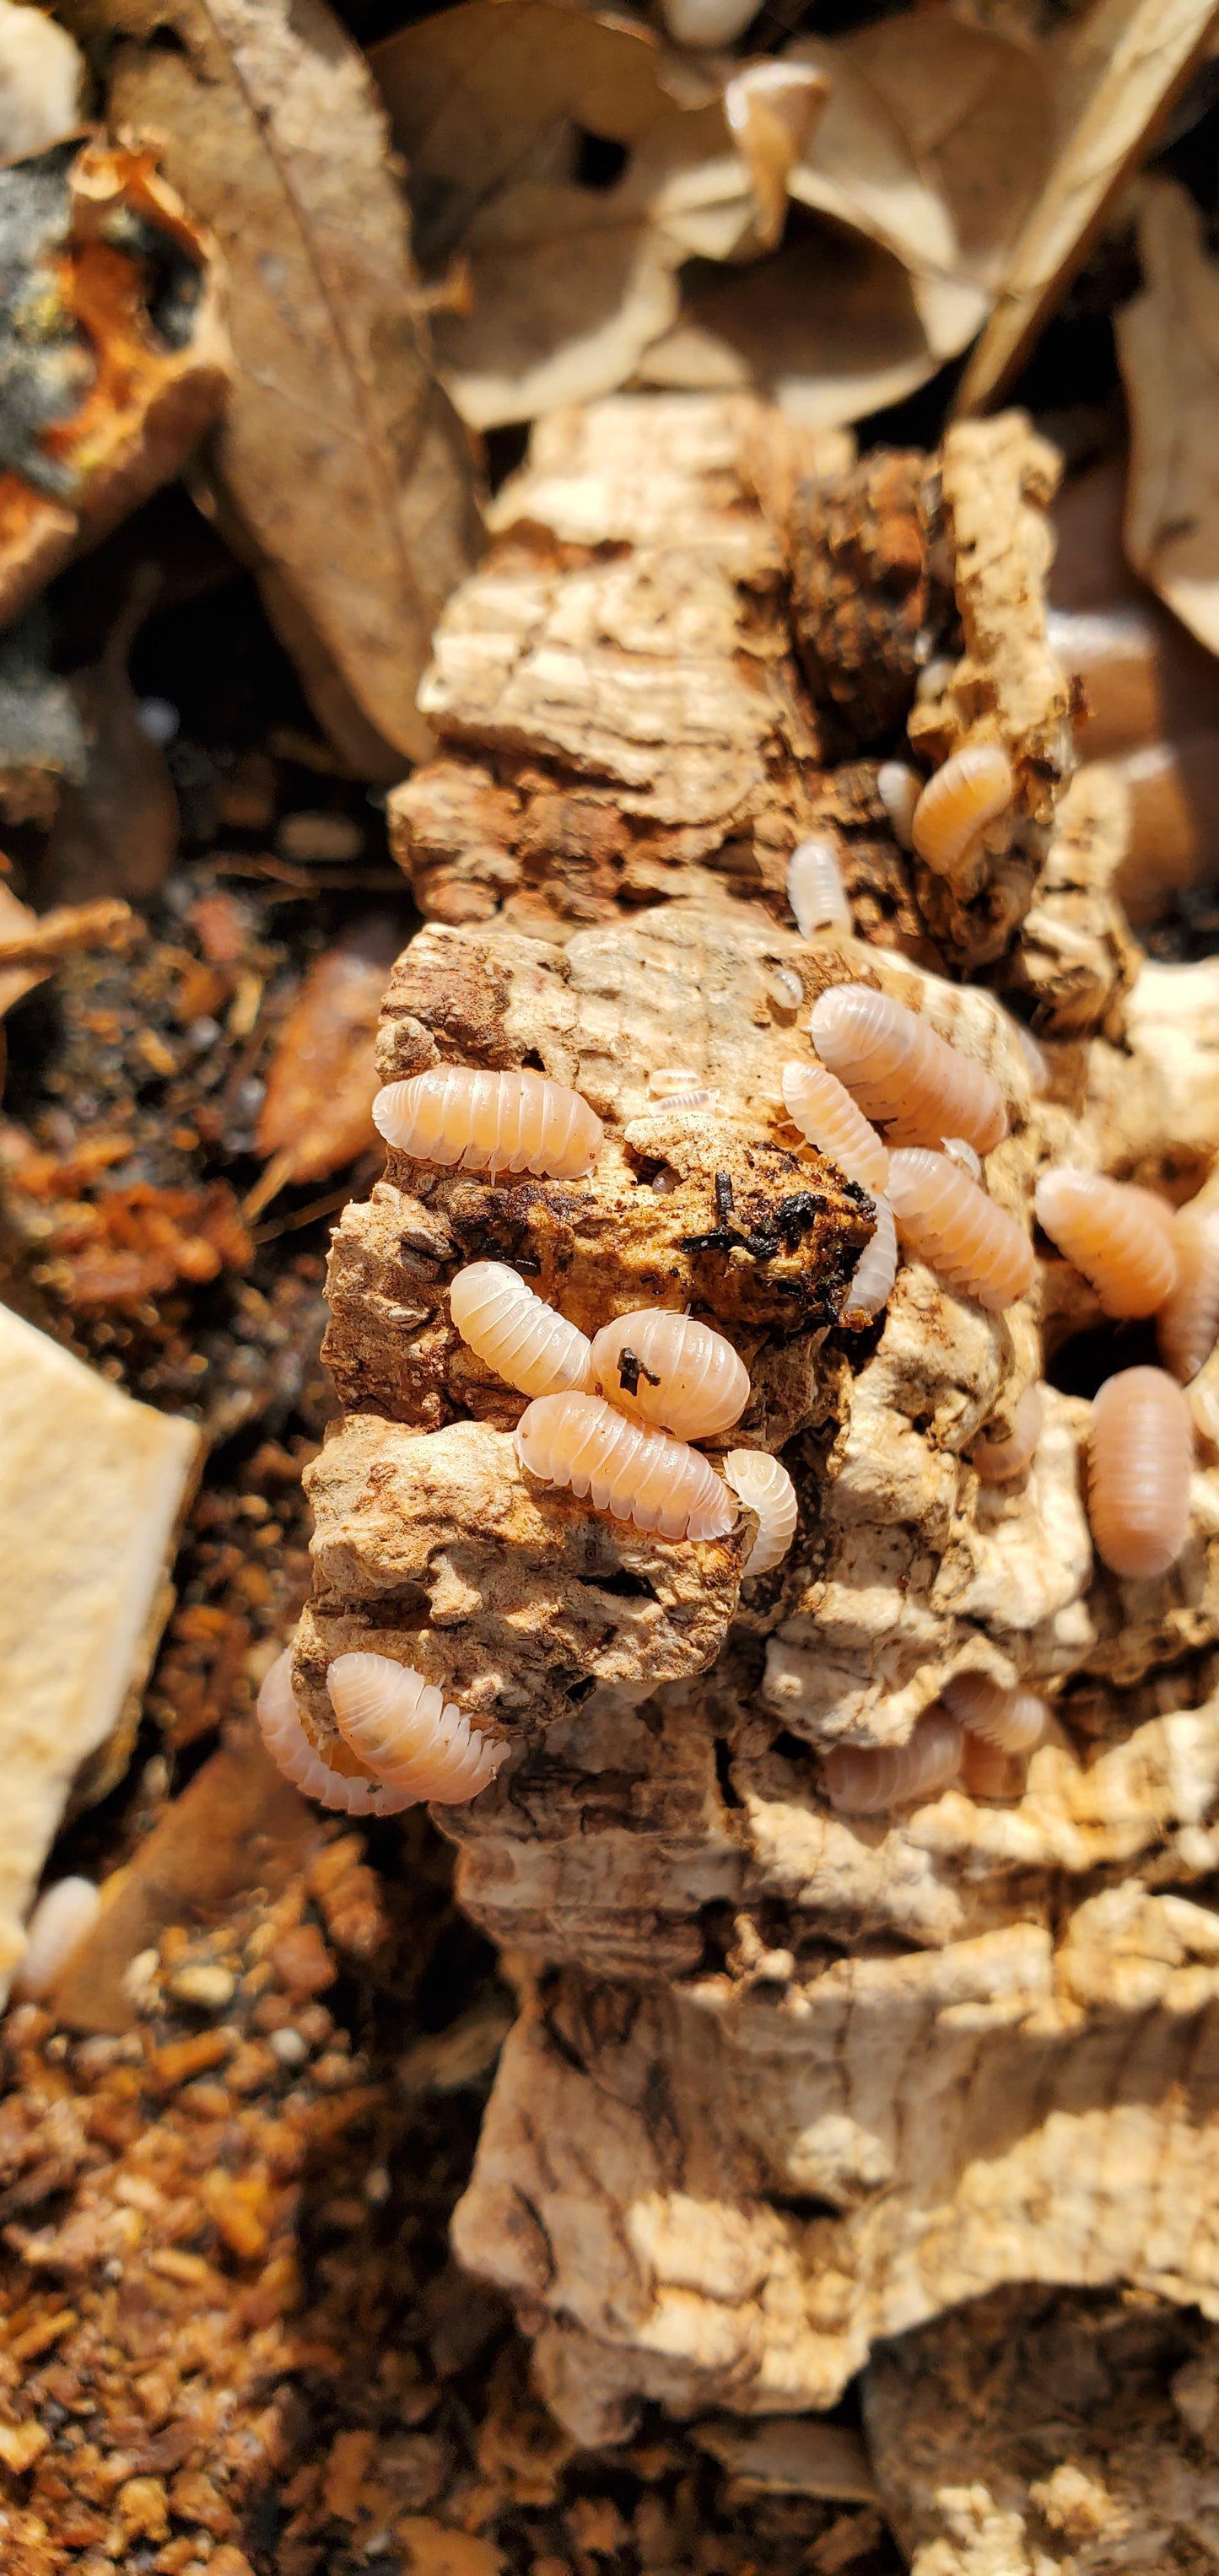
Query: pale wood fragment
(92,1493)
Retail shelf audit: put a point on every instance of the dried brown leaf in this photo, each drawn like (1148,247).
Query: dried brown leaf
(570,281)
(340,456)
(1114,72)
(933,143)
(829,326)
(772,109)
(317,1113)
(1168,345)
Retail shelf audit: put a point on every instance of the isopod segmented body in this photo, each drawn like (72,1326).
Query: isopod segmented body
(1015,1720)
(961,1151)
(823,1110)
(1117,1236)
(763,1482)
(631,1472)
(1140,1457)
(949,1223)
(1187,1326)
(516,1333)
(420,1744)
(490,1122)
(998,1460)
(63,1916)
(283,1734)
(902,1074)
(988,1772)
(815,890)
(972,789)
(672,1371)
(868,1780)
(875,1271)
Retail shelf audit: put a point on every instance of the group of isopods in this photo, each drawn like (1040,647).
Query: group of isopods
(614,1418)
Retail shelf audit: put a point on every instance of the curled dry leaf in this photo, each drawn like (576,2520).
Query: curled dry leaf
(118,356)
(929,151)
(1114,71)
(1168,345)
(317,1113)
(495,106)
(340,461)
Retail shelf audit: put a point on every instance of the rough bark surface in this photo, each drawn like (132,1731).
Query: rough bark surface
(787,2084)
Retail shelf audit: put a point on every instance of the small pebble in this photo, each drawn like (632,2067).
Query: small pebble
(202,1983)
(288,2047)
(158,720)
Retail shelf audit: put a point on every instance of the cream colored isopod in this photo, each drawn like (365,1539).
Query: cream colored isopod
(764,1484)
(672,1371)
(490,1122)
(516,1333)
(625,1469)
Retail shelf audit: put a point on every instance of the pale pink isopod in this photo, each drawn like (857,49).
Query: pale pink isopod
(420,1744)
(61,1920)
(631,1472)
(815,890)
(516,1333)
(872,1280)
(972,789)
(1140,1456)
(672,1371)
(868,1780)
(997,1461)
(490,1122)
(1187,1325)
(948,1222)
(899,788)
(763,1482)
(823,1110)
(1014,1720)
(279,1719)
(903,1075)
(1118,1237)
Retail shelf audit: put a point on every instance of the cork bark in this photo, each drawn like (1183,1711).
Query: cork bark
(788,2086)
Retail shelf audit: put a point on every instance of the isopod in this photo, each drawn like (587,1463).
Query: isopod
(971,789)
(875,1271)
(998,1460)
(672,1371)
(899,788)
(763,1482)
(1015,1720)
(1140,1456)
(869,1779)
(902,1074)
(627,1470)
(1187,1325)
(490,1122)
(516,1333)
(60,1920)
(823,1110)
(950,1223)
(414,1739)
(1117,1236)
(687,1100)
(287,1743)
(815,891)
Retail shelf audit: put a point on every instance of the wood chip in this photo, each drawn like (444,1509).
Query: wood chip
(1168,346)
(94,1489)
